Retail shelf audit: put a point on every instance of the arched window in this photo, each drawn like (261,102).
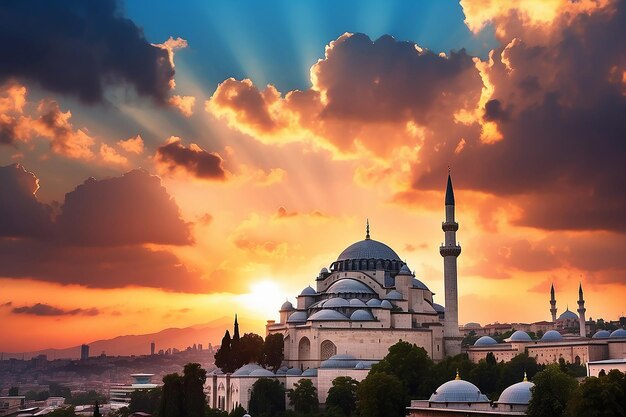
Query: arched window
(577,360)
(327,349)
(304,349)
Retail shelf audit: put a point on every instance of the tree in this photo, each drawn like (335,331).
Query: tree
(14,391)
(193,380)
(343,395)
(551,393)
(267,398)
(172,397)
(146,400)
(381,394)
(223,356)
(273,351)
(486,376)
(410,364)
(303,397)
(63,412)
(249,349)
(599,397)
(238,411)
(513,371)
(96,410)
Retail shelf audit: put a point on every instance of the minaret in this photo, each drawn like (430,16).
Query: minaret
(236,330)
(581,311)
(450,251)
(552,304)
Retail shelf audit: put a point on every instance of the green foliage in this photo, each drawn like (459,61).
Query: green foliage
(84,398)
(194,399)
(469,339)
(63,412)
(273,351)
(121,412)
(58,390)
(249,349)
(342,395)
(96,410)
(238,411)
(381,394)
(599,397)
(267,398)
(223,356)
(146,400)
(303,397)
(214,412)
(171,404)
(551,393)
(500,337)
(410,364)
(13,391)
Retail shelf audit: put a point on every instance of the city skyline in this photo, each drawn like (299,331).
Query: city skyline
(155,191)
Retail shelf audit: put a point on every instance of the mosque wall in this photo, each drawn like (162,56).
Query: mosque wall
(617,349)
(325,379)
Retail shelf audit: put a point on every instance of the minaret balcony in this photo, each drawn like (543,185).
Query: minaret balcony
(450,250)
(449,226)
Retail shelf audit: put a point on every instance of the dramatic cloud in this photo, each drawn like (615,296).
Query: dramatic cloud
(184,104)
(132,145)
(77,47)
(174,156)
(40,309)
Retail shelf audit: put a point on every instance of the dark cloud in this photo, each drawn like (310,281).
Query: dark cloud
(78,47)
(40,309)
(495,112)
(197,162)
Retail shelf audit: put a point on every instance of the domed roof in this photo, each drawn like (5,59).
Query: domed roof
(355,302)
(297,317)
(294,371)
(568,315)
(551,336)
(386,304)
(282,370)
(374,302)
(601,334)
(247,369)
(361,315)
(394,295)
(341,361)
(439,308)
(324,270)
(262,373)
(519,336)
(286,306)
(336,302)
(618,333)
(419,284)
(327,315)
(310,372)
(349,285)
(368,249)
(485,341)
(308,291)
(458,391)
(517,393)
(405,270)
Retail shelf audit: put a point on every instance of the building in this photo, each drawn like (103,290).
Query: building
(11,404)
(84,352)
(595,368)
(119,394)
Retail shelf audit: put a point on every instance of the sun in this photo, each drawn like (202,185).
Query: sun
(264,299)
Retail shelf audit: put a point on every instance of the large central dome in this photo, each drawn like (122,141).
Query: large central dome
(368,249)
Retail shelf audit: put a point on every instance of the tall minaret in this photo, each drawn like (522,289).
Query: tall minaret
(450,251)
(581,311)
(552,304)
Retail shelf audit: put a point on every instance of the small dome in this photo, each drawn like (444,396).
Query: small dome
(262,373)
(568,315)
(349,285)
(618,333)
(310,372)
(439,308)
(342,361)
(308,291)
(394,295)
(485,341)
(365,364)
(336,302)
(368,249)
(324,315)
(601,334)
(551,336)
(297,317)
(519,336)
(458,391)
(247,369)
(355,302)
(517,393)
(361,315)
(386,305)
(286,306)
(472,325)
(405,270)
(294,371)
(374,302)
(419,284)
(282,370)
(324,271)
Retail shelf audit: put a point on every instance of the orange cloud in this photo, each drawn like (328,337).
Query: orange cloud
(132,145)
(109,155)
(184,104)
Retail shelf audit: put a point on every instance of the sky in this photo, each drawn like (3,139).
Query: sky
(165,164)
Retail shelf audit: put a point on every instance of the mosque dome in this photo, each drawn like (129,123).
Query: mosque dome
(419,284)
(247,370)
(297,317)
(282,370)
(618,333)
(262,373)
(324,270)
(349,286)
(336,302)
(294,371)
(405,270)
(286,306)
(601,334)
(308,291)
(323,315)
(551,336)
(361,315)
(355,302)
(458,391)
(394,295)
(485,341)
(517,393)
(310,372)
(568,315)
(439,308)
(519,336)
(386,305)
(374,302)
(341,361)
(368,249)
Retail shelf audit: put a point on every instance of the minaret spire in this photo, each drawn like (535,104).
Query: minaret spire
(367,229)
(236,329)
(581,311)
(552,304)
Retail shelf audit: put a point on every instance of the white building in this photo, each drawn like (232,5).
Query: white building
(120,393)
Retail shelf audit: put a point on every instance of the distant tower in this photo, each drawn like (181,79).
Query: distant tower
(450,251)
(581,311)
(84,352)
(152,346)
(236,330)
(552,304)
